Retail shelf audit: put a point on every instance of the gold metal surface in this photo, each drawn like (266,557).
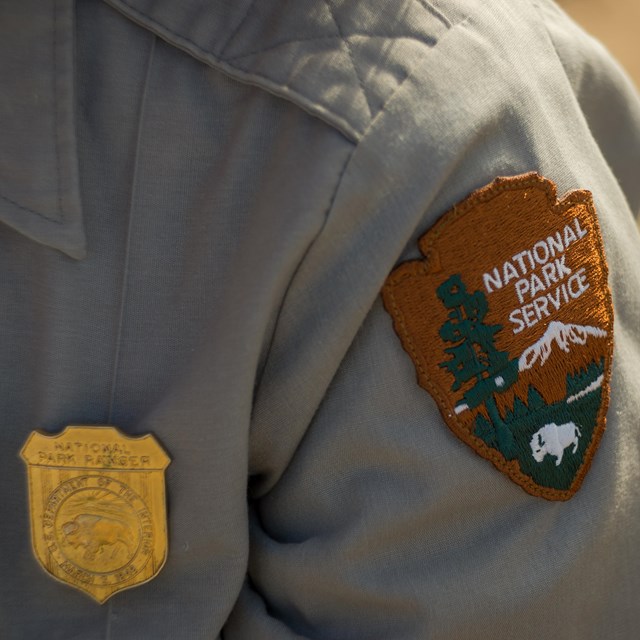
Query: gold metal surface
(98,508)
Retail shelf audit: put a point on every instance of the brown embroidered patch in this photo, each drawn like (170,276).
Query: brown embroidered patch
(509,322)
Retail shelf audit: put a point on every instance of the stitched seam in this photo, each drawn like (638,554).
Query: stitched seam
(207,52)
(109,617)
(383,106)
(371,36)
(234,33)
(210,52)
(23,208)
(125,274)
(435,13)
(408,75)
(327,215)
(350,54)
(56,107)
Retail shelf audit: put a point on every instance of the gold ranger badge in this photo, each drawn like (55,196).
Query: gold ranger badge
(98,509)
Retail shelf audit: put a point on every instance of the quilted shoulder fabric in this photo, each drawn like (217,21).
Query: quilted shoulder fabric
(337,59)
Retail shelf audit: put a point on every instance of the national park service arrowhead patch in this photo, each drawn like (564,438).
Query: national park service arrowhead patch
(509,322)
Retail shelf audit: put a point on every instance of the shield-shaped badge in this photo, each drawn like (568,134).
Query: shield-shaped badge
(509,322)
(98,508)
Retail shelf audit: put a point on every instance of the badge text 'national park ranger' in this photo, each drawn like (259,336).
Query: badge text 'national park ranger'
(509,322)
(98,508)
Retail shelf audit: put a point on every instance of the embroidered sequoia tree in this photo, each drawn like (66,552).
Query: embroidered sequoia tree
(474,357)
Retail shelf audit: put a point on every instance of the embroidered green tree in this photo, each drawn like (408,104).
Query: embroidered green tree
(475,358)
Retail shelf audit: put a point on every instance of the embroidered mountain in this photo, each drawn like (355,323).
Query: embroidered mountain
(563,335)
(508,320)
(540,419)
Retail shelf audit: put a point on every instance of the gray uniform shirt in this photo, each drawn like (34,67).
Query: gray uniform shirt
(201,202)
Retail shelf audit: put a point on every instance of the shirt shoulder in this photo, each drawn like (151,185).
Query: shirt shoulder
(341,61)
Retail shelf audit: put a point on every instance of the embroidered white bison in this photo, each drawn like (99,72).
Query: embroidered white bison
(553,439)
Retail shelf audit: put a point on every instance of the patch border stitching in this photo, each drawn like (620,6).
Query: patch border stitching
(412,268)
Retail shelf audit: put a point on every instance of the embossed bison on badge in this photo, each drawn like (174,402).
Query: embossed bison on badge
(97,535)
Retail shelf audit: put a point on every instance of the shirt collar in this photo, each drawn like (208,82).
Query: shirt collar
(342,64)
(39,186)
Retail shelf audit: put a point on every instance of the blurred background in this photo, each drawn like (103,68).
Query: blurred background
(615,23)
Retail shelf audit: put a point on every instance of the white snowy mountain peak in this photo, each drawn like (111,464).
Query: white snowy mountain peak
(563,335)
